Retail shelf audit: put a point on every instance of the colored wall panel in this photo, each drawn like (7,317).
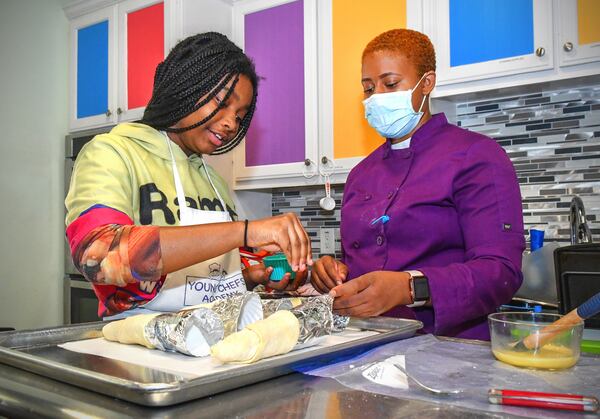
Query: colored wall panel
(485,30)
(588,21)
(274,39)
(145,49)
(353,28)
(92,70)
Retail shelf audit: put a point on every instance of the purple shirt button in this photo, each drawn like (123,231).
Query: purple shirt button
(367,197)
(379,240)
(390,194)
(356,245)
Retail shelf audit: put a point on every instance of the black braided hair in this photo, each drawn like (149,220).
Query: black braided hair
(198,66)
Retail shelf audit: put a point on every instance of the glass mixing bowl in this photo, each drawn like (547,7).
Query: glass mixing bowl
(508,329)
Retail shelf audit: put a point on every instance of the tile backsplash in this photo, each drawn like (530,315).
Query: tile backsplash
(553,140)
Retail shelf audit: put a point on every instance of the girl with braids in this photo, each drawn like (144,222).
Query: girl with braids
(148,221)
(431,221)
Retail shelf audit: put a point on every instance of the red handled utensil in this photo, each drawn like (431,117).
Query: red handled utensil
(543,400)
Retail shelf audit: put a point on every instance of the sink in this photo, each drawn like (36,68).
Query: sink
(539,276)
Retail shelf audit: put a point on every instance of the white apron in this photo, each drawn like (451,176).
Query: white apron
(203,282)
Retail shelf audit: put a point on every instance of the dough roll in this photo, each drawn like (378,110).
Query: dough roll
(275,335)
(130,330)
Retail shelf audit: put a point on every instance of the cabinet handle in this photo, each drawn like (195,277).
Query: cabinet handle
(119,111)
(540,52)
(324,160)
(108,113)
(307,162)
(568,46)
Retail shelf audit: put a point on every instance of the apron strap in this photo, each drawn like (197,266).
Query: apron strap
(179,185)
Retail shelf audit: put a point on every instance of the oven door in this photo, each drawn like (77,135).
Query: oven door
(81,304)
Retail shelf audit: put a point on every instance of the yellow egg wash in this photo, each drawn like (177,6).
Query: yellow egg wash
(551,357)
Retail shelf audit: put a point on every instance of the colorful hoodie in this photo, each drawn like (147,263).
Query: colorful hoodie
(125,177)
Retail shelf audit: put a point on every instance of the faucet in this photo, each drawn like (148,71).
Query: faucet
(580,232)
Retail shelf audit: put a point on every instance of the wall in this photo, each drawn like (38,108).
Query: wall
(553,139)
(33,116)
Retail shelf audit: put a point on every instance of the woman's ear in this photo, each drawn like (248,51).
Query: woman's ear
(428,82)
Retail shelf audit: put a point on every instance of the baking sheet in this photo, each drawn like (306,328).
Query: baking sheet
(40,351)
(185,366)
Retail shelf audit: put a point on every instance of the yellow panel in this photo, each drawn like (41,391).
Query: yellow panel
(588,21)
(355,23)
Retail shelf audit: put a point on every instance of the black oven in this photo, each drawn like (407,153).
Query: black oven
(80,302)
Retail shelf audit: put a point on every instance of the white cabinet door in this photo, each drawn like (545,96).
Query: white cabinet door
(489,38)
(92,69)
(113,56)
(579,31)
(281,38)
(144,41)
(345,136)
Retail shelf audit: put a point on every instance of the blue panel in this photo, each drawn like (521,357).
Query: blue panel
(484,30)
(92,70)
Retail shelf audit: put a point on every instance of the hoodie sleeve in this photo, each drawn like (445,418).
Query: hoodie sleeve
(101,177)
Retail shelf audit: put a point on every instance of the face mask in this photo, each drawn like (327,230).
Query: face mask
(392,114)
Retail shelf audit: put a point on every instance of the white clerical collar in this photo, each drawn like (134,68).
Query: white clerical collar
(401,145)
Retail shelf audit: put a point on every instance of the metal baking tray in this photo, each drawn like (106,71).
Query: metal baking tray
(37,351)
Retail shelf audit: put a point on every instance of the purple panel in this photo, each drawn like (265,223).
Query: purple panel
(274,39)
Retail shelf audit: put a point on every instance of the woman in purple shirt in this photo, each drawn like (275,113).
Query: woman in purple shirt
(432,227)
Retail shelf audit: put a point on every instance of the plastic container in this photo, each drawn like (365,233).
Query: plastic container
(280,266)
(509,328)
(536,239)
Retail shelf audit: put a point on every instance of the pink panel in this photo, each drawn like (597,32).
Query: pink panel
(145,49)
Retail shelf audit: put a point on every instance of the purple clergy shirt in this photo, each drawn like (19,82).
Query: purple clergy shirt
(454,210)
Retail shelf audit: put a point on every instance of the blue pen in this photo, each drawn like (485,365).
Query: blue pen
(384,219)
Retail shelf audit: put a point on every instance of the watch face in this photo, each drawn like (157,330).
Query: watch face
(421,287)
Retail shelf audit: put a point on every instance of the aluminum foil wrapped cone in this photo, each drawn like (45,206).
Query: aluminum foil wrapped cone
(316,319)
(340,322)
(270,306)
(282,331)
(238,311)
(194,330)
(191,332)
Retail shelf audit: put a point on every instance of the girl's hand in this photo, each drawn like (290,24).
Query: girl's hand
(259,274)
(282,233)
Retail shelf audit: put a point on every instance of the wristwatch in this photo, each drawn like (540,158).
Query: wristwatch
(419,288)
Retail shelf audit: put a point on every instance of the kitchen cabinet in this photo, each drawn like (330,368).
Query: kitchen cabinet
(578,31)
(497,44)
(114,52)
(93,69)
(482,39)
(281,38)
(298,136)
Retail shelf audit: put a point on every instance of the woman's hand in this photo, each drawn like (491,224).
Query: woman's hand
(372,294)
(259,274)
(327,273)
(282,233)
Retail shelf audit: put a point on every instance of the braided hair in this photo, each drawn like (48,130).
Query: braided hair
(201,65)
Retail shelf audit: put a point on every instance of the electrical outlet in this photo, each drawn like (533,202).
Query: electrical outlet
(327,236)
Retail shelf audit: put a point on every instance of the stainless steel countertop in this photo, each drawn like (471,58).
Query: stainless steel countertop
(23,394)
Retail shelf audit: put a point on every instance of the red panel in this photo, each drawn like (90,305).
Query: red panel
(145,49)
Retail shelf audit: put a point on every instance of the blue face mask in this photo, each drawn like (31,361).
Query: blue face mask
(392,114)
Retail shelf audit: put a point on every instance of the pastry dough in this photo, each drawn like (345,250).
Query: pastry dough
(129,330)
(275,335)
